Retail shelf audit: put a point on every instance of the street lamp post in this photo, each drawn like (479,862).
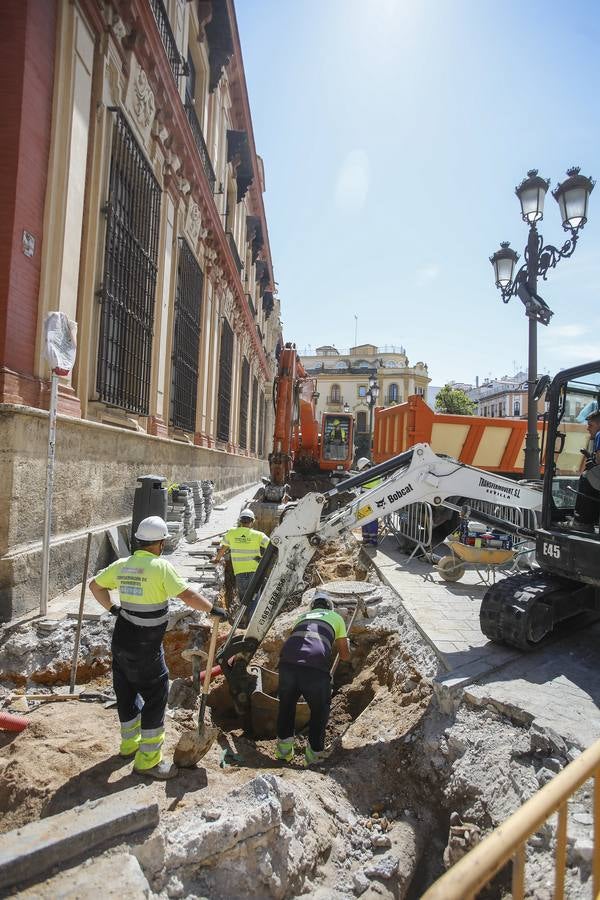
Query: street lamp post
(371,398)
(572,197)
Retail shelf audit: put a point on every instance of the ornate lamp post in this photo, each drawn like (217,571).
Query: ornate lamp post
(572,197)
(371,398)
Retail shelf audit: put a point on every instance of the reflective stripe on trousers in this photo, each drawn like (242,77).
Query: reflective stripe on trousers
(149,752)
(130,735)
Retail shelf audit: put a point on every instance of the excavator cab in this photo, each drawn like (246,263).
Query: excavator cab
(337,444)
(569,541)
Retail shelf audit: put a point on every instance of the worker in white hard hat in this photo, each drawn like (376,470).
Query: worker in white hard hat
(140,677)
(246,546)
(304,671)
(370,531)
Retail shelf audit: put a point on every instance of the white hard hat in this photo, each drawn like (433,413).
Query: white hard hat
(362,463)
(247,514)
(153,528)
(321,600)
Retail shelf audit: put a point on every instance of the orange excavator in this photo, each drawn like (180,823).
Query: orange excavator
(307,455)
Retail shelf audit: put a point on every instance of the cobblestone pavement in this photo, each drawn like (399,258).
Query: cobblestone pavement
(558,684)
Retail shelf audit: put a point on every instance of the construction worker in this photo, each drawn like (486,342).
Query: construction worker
(587,504)
(337,433)
(246,545)
(140,677)
(304,671)
(370,532)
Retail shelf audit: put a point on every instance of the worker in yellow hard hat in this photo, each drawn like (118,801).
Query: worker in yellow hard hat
(246,546)
(140,677)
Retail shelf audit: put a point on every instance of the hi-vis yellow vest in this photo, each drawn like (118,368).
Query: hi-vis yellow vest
(244,545)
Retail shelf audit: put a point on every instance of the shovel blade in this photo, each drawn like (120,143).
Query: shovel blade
(193,745)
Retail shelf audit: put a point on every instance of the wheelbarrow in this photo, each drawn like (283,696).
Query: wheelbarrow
(453,566)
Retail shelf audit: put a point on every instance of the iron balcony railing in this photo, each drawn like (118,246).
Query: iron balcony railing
(234,251)
(176,61)
(251,304)
(509,840)
(201,145)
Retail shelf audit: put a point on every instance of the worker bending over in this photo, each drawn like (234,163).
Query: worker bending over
(370,531)
(140,677)
(304,670)
(246,545)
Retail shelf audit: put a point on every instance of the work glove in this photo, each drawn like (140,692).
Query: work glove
(219,612)
(115,610)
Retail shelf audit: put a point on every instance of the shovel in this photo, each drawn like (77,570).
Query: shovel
(193,745)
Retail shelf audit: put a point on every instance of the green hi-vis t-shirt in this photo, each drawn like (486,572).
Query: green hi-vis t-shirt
(145,582)
(311,641)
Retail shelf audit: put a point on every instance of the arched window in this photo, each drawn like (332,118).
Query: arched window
(335,395)
(361,421)
(393,393)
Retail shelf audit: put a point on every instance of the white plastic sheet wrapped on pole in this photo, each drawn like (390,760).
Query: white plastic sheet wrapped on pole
(60,340)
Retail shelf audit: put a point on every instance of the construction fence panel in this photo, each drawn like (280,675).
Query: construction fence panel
(414,523)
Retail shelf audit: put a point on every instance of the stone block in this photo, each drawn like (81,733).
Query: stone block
(34,849)
(118,876)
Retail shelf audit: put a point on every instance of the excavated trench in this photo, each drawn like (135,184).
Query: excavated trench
(373,820)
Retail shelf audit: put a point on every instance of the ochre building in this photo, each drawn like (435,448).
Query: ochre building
(132,201)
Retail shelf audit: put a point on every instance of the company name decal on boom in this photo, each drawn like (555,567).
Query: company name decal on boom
(401,493)
(497,490)
(275,598)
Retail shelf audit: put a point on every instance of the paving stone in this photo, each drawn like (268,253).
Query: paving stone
(118,876)
(35,848)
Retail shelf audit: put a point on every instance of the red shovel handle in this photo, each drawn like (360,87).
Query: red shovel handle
(216,670)
(10,722)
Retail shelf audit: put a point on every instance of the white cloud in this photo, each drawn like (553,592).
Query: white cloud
(426,274)
(352,183)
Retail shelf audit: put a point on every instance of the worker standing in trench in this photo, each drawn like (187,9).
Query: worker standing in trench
(304,671)
(140,677)
(245,545)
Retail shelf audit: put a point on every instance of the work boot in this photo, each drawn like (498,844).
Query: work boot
(128,755)
(285,749)
(314,757)
(164,771)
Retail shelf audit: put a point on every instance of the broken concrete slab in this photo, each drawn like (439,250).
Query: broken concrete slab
(35,848)
(95,878)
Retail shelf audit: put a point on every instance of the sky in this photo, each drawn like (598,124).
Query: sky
(393,134)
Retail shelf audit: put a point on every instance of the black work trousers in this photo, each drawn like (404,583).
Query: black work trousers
(315,686)
(141,683)
(587,505)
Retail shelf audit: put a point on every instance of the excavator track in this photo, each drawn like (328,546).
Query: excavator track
(518,610)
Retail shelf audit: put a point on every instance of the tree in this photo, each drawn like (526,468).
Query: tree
(453,400)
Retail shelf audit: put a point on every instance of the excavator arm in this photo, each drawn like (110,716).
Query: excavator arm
(417,474)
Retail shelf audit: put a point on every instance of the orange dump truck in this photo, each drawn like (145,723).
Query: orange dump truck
(494,444)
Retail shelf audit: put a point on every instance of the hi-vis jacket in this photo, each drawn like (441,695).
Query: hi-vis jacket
(244,545)
(145,583)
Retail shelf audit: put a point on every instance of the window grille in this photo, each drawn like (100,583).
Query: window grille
(129,277)
(225,370)
(245,388)
(261,426)
(253,415)
(186,339)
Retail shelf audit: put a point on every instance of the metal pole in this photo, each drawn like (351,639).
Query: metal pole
(49,487)
(86,566)
(532,447)
(371,405)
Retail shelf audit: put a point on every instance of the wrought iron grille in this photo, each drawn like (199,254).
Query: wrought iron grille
(201,145)
(234,251)
(261,426)
(129,278)
(244,392)
(225,370)
(186,339)
(176,60)
(253,415)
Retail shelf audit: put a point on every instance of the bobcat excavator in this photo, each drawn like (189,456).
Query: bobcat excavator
(307,455)
(520,610)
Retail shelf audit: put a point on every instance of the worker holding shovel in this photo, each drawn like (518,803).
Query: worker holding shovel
(140,677)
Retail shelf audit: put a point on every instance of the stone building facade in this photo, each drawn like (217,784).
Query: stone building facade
(343,381)
(132,201)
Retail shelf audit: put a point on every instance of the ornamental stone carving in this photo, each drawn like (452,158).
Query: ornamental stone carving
(193,221)
(144,106)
